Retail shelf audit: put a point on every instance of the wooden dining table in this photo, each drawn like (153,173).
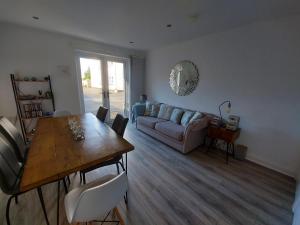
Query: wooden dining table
(54,154)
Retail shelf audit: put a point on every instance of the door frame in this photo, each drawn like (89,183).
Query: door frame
(103,57)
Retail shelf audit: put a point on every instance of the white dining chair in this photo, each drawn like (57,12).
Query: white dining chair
(59,113)
(96,200)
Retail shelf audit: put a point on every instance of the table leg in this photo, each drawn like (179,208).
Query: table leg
(57,212)
(227,153)
(233,152)
(126,162)
(39,190)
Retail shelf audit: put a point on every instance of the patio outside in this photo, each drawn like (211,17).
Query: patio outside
(93,99)
(92,85)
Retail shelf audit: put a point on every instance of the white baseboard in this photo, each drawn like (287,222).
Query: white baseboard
(271,166)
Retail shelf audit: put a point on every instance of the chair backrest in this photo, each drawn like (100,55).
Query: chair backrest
(101,113)
(59,113)
(94,202)
(14,137)
(10,169)
(119,124)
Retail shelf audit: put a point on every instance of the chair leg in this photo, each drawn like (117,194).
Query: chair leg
(65,185)
(83,178)
(116,211)
(16,200)
(122,165)
(57,207)
(118,169)
(39,190)
(126,198)
(7,209)
(68,179)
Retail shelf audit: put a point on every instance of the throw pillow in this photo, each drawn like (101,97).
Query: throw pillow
(196,116)
(154,110)
(176,115)
(165,112)
(186,118)
(148,108)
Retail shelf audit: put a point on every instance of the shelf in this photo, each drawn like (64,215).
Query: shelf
(30,118)
(35,99)
(31,81)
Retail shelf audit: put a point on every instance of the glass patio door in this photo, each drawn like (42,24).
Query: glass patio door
(103,84)
(116,88)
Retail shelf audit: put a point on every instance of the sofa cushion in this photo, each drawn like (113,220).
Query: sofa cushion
(170,129)
(165,111)
(148,121)
(186,118)
(176,115)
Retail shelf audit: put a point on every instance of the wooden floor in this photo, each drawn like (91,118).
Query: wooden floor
(168,188)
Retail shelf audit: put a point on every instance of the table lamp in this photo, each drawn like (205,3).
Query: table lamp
(228,109)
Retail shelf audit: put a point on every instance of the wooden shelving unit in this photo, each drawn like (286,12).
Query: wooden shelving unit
(32,102)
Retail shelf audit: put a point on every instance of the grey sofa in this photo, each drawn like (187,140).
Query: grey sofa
(180,137)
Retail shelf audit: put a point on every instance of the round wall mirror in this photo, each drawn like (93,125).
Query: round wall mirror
(184,78)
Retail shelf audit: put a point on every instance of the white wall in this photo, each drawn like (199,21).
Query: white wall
(32,52)
(257,67)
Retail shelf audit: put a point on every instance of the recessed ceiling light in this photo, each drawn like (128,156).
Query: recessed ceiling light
(169,25)
(35,17)
(131,42)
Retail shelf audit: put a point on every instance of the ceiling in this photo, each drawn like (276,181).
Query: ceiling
(119,22)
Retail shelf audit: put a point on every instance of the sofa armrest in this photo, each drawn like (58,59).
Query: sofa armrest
(195,133)
(138,110)
(197,125)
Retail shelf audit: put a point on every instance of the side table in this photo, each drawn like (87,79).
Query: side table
(221,133)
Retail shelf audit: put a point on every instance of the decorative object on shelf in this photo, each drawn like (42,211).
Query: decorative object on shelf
(215,121)
(227,110)
(233,122)
(143,98)
(76,129)
(26,97)
(184,78)
(30,106)
(48,94)
(33,110)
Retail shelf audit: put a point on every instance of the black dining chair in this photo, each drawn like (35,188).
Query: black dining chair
(11,175)
(101,113)
(119,126)
(14,137)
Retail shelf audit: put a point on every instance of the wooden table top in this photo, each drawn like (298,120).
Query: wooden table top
(54,154)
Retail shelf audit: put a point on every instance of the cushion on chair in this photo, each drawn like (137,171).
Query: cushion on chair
(176,115)
(170,129)
(165,111)
(186,118)
(148,121)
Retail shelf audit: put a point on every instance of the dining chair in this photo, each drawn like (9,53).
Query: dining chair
(95,201)
(60,113)
(11,175)
(14,137)
(101,113)
(119,126)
